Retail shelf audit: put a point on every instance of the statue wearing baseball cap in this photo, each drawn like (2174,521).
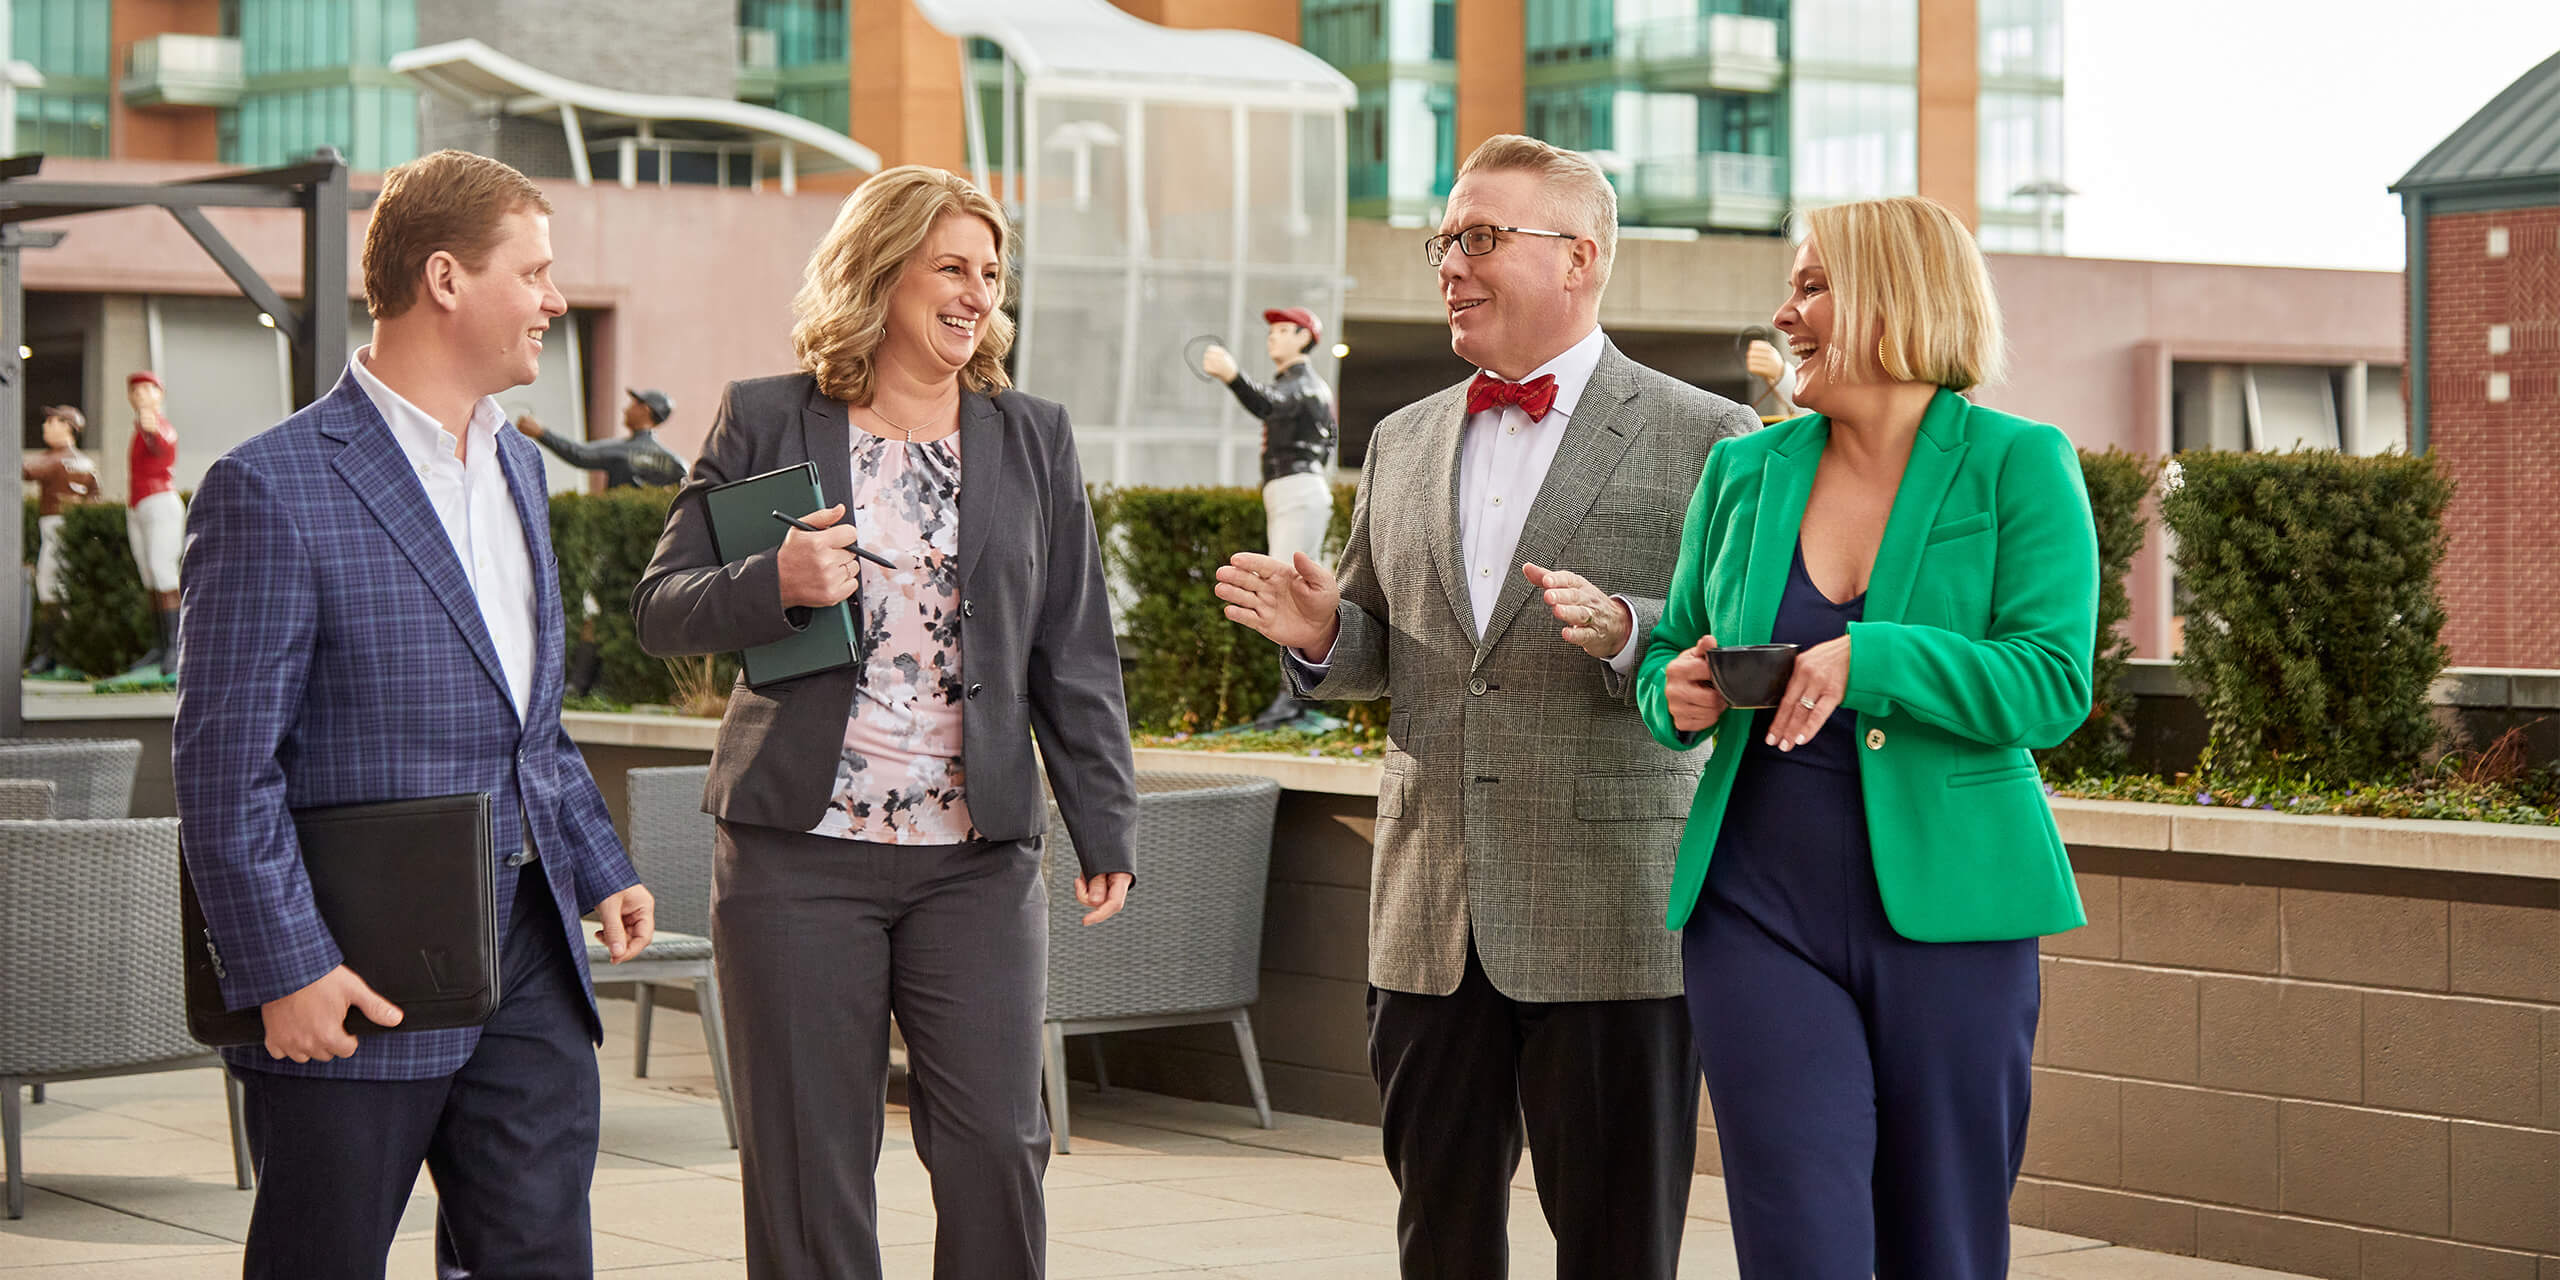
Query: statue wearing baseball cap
(636,459)
(1299,433)
(156,521)
(62,476)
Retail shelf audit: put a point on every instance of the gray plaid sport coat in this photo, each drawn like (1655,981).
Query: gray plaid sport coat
(1524,804)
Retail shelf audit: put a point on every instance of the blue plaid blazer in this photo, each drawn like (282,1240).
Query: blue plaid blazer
(331,652)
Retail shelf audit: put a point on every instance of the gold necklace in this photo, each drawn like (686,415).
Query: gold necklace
(908,432)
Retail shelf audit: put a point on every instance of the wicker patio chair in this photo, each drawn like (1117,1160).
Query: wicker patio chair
(1188,948)
(27,797)
(95,775)
(89,964)
(671,844)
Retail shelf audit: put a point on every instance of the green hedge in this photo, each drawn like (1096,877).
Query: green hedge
(106,615)
(2312,622)
(2117,482)
(604,541)
(1191,669)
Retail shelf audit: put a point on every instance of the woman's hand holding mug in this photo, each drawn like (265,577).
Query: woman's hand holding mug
(1695,704)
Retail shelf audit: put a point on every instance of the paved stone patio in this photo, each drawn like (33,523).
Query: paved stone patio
(131,1180)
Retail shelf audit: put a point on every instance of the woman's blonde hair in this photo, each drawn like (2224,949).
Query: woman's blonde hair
(843,304)
(1906,270)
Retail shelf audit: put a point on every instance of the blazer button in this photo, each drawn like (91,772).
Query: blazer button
(1476,686)
(973,689)
(968,609)
(1875,739)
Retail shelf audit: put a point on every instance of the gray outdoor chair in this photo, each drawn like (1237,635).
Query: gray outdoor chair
(89,961)
(1188,948)
(94,775)
(671,844)
(27,797)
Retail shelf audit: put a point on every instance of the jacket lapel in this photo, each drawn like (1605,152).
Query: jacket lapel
(1935,456)
(826,434)
(1786,481)
(1595,438)
(373,464)
(1446,444)
(981,476)
(521,463)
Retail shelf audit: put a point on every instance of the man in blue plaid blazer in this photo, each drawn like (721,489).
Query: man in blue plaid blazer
(371,612)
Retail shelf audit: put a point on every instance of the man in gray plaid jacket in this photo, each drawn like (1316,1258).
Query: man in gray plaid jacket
(1521,982)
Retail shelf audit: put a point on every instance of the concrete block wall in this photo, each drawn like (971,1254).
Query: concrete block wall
(2337,1071)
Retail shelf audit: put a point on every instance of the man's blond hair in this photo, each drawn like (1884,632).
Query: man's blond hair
(1578,195)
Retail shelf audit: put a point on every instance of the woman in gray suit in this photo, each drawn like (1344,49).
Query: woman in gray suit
(879,824)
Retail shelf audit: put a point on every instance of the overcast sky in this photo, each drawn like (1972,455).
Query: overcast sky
(2266,131)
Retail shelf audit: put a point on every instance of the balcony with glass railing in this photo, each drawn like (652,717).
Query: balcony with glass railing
(759,64)
(1720,190)
(1721,52)
(183,71)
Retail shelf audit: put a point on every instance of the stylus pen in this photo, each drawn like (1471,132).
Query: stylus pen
(806,527)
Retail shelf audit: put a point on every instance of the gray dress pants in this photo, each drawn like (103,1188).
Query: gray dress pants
(819,941)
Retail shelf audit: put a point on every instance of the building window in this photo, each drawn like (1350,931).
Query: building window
(2277,408)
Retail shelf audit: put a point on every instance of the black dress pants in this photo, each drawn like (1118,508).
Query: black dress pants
(1605,1092)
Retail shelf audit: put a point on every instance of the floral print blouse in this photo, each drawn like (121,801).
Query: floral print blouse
(900,780)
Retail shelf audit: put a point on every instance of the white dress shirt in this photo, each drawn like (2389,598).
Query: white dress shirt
(1503,461)
(479,517)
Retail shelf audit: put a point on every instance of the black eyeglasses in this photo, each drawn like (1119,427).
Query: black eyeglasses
(1477,241)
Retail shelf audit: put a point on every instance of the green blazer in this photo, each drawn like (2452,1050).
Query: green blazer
(1981,613)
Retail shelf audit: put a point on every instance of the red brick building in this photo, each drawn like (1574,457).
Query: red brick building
(2484,367)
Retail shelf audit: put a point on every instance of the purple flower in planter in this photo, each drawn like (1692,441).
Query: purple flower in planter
(2250,803)
(2204,797)
(1359,751)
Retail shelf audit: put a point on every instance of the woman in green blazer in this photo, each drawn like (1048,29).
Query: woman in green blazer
(1867,865)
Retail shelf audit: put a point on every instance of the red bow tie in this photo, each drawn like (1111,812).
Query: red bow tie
(1535,397)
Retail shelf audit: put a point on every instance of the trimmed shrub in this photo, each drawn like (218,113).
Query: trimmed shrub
(106,615)
(1191,669)
(604,541)
(2118,482)
(2312,616)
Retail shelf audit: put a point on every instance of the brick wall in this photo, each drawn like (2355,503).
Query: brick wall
(2501,574)
(2337,1071)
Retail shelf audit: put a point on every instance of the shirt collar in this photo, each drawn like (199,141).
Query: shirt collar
(420,436)
(1572,368)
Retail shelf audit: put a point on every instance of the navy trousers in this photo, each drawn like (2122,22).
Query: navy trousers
(510,1139)
(1870,1092)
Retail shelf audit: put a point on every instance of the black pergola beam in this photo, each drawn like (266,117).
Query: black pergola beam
(316,330)
(253,286)
(21,199)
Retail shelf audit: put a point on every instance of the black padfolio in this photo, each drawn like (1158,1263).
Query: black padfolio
(409,890)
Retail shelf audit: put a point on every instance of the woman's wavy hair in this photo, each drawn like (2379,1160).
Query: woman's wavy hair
(843,304)
(1905,270)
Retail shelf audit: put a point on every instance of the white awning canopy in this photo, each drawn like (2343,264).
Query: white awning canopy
(1097,40)
(472,73)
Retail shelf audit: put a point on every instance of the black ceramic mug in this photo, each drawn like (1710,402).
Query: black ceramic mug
(1752,675)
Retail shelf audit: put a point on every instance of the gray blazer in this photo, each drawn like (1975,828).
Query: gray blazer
(1036,646)
(1524,804)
